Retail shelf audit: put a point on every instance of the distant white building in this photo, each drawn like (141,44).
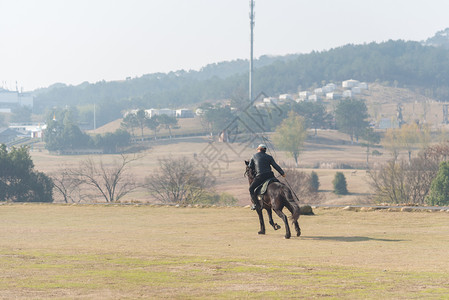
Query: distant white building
(313,98)
(304,95)
(333,96)
(318,91)
(285,97)
(356,90)
(167,111)
(348,84)
(327,89)
(271,100)
(132,111)
(331,86)
(151,112)
(11,99)
(33,130)
(363,85)
(184,113)
(347,94)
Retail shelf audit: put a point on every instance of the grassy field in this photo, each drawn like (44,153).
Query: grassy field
(130,252)
(326,150)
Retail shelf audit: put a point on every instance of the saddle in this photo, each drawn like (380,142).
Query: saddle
(262,189)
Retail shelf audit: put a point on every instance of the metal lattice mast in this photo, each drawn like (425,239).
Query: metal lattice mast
(251,24)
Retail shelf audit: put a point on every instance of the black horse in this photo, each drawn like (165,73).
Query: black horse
(277,196)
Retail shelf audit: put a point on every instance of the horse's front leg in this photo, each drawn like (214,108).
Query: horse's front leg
(262,223)
(284,218)
(270,219)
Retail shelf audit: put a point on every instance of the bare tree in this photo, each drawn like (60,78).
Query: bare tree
(300,183)
(399,181)
(179,181)
(68,186)
(112,182)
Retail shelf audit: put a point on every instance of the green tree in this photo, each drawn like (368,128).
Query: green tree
(153,124)
(62,133)
(19,182)
(372,138)
(340,185)
(216,118)
(351,117)
(439,189)
(141,120)
(129,122)
(21,114)
(291,134)
(409,136)
(391,142)
(110,142)
(168,122)
(315,114)
(2,120)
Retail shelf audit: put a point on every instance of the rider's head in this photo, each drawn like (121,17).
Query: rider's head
(262,148)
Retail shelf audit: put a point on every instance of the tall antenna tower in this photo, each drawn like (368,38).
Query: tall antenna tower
(251,24)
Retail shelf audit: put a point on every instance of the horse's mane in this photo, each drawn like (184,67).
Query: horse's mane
(249,173)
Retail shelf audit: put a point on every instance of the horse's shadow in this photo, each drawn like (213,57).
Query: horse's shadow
(348,239)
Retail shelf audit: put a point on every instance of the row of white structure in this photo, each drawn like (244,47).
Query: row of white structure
(178,113)
(349,87)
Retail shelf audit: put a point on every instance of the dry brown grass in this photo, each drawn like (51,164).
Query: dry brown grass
(230,177)
(186,126)
(116,252)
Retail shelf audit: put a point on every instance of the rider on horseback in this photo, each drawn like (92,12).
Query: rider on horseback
(261,163)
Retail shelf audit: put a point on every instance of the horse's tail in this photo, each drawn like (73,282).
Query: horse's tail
(291,204)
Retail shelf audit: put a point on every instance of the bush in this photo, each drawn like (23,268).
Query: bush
(376,153)
(223,199)
(340,185)
(439,189)
(314,182)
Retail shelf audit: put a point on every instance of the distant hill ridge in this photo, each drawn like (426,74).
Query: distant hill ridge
(440,39)
(408,64)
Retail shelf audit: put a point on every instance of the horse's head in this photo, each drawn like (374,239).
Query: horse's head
(249,172)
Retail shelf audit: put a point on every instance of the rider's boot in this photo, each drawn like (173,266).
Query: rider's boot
(255,203)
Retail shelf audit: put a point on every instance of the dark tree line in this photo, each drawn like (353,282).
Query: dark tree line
(63,133)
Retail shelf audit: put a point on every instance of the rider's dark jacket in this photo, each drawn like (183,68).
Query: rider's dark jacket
(262,162)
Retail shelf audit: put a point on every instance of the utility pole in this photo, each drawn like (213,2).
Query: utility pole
(251,24)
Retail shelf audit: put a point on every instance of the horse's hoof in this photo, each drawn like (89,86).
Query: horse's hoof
(276,227)
(286,237)
(261,232)
(298,233)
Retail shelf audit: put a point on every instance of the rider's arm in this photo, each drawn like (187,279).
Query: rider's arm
(277,167)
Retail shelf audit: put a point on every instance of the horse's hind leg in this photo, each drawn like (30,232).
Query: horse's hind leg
(298,230)
(270,218)
(284,218)
(262,223)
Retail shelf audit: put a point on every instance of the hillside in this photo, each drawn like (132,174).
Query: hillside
(409,65)
(382,102)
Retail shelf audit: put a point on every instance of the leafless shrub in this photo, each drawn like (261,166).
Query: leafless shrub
(179,181)
(400,181)
(111,182)
(67,186)
(300,183)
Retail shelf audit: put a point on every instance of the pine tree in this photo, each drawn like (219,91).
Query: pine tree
(339,182)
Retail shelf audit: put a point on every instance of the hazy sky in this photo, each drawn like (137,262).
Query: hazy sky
(71,41)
